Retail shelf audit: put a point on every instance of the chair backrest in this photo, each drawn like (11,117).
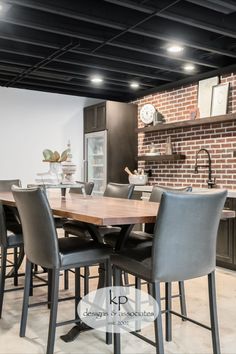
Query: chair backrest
(3,228)
(117,190)
(157,192)
(156,195)
(39,232)
(88,188)
(184,244)
(11,214)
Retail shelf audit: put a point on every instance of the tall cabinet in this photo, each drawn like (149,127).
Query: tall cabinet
(110,143)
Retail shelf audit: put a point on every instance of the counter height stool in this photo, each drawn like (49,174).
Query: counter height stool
(7,242)
(144,239)
(43,247)
(13,225)
(184,247)
(80,229)
(86,187)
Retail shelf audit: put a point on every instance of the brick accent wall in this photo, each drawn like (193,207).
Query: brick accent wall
(218,138)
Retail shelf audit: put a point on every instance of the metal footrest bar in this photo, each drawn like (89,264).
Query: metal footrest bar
(64,323)
(190,320)
(49,302)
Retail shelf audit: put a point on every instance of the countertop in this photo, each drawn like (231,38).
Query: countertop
(231,192)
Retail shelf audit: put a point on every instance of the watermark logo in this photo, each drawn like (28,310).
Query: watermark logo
(118,309)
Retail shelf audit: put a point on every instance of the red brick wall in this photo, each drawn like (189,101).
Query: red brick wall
(218,138)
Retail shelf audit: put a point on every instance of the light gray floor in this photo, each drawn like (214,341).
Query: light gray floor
(187,338)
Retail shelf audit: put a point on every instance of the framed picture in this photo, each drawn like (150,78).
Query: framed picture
(205,95)
(220,94)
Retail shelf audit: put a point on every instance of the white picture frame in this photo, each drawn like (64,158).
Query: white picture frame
(205,95)
(219,104)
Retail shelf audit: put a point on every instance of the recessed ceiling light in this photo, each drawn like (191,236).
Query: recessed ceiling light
(189,67)
(175,48)
(96,79)
(134,85)
(1,7)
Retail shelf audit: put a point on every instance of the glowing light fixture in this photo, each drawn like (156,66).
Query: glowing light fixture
(134,85)
(175,48)
(189,67)
(96,79)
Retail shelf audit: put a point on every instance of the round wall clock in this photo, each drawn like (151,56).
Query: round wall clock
(147,113)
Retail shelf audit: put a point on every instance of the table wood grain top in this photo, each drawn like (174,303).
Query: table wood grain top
(102,210)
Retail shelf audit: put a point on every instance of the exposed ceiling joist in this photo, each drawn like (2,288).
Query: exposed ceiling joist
(72,34)
(190,21)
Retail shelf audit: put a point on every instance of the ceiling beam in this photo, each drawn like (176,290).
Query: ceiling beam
(67,84)
(130,47)
(102,56)
(80,93)
(117,26)
(176,17)
(99,67)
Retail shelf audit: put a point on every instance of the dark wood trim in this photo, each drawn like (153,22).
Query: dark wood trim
(160,158)
(188,123)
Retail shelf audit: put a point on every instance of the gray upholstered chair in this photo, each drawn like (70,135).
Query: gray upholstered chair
(86,188)
(184,247)
(7,242)
(43,247)
(113,190)
(144,239)
(140,238)
(77,228)
(12,225)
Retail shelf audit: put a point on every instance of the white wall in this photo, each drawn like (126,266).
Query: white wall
(31,121)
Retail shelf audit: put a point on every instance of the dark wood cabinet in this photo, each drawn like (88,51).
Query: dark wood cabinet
(120,122)
(95,118)
(226,241)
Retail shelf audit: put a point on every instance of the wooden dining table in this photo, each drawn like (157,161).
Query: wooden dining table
(101,211)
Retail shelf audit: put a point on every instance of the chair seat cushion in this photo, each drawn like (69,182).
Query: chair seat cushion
(135,239)
(59,222)
(136,261)
(76,228)
(15,240)
(75,250)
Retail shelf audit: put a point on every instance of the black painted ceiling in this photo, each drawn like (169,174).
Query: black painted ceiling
(57,45)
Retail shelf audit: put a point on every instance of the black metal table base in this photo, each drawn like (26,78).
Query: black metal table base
(94,231)
(74,332)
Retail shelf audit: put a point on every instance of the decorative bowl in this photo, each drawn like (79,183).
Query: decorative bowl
(139,180)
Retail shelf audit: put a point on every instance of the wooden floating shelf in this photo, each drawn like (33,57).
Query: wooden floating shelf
(173,157)
(188,123)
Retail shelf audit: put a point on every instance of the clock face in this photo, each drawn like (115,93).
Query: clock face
(147,113)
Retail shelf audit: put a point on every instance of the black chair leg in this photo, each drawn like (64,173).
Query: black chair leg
(168,303)
(108,284)
(24,315)
(15,274)
(137,302)
(86,280)
(126,278)
(158,320)
(2,276)
(77,291)
(117,276)
(53,311)
(183,307)
(213,313)
(66,272)
(49,287)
